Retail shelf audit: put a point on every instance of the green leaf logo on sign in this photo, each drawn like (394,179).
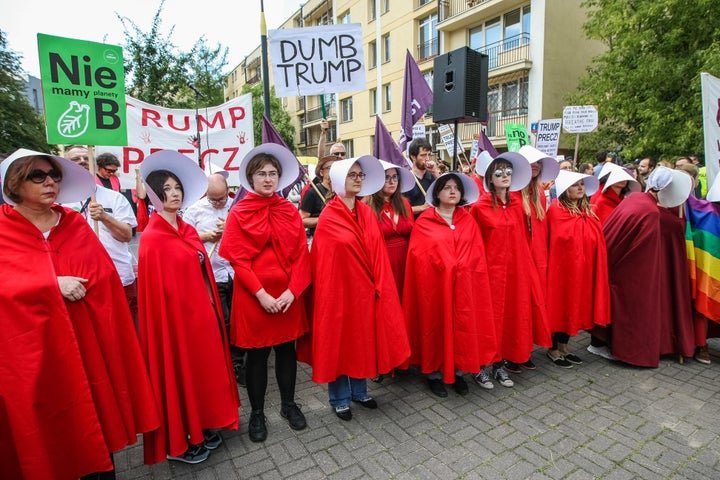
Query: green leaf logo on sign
(83,91)
(516,136)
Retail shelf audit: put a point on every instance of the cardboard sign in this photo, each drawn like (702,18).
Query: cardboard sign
(226,136)
(446,135)
(547,137)
(580,118)
(83,91)
(317,60)
(516,135)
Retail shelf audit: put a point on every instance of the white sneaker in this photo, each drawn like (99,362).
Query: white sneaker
(502,377)
(483,379)
(603,351)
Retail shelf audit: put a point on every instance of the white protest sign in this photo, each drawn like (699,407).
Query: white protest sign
(580,118)
(475,149)
(419,129)
(226,136)
(446,135)
(317,60)
(548,136)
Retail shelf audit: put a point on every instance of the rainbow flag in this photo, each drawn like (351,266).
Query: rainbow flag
(702,238)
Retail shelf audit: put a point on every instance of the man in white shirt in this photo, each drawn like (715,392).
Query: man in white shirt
(208,216)
(116,220)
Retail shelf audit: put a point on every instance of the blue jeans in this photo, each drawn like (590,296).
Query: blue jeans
(345,389)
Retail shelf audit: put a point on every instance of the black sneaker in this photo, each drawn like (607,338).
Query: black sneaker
(294,416)
(193,455)
(529,365)
(369,402)
(212,439)
(343,413)
(256,427)
(460,385)
(437,387)
(512,367)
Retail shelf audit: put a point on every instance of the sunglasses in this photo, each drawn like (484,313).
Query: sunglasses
(392,178)
(39,176)
(499,172)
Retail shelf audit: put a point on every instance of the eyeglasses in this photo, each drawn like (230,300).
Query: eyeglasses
(500,171)
(39,176)
(356,175)
(111,171)
(263,174)
(217,200)
(340,154)
(392,178)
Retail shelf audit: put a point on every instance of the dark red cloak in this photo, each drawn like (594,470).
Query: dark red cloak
(604,203)
(640,268)
(447,310)
(357,324)
(517,292)
(397,239)
(577,270)
(265,242)
(183,340)
(74,386)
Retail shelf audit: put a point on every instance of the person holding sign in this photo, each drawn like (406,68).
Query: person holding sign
(425,172)
(357,328)
(265,243)
(74,386)
(517,291)
(182,331)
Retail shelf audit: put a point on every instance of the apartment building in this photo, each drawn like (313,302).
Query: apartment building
(536,51)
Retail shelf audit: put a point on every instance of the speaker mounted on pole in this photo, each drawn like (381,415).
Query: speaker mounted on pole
(460,86)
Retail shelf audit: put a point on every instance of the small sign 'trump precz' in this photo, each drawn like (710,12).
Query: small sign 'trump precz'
(83,91)
(580,118)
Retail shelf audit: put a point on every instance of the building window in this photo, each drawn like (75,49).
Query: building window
(326,18)
(345,18)
(386,48)
(346,108)
(429,44)
(372,13)
(387,94)
(373,101)
(386,6)
(372,54)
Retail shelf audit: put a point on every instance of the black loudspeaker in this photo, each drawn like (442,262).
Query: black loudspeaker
(460,86)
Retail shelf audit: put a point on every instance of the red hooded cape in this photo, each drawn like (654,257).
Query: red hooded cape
(537,234)
(447,310)
(357,325)
(183,340)
(577,270)
(265,242)
(604,203)
(640,254)
(517,292)
(74,386)
(397,238)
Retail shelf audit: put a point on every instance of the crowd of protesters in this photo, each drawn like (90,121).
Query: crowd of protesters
(381,268)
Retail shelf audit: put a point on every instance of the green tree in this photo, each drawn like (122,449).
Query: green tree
(205,66)
(280,118)
(647,83)
(20,125)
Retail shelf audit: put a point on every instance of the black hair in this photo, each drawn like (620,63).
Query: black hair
(440,184)
(156,180)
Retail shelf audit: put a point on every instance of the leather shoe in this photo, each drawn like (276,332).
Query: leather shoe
(367,403)
(460,385)
(344,414)
(437,387)
(256,427)
(294,416)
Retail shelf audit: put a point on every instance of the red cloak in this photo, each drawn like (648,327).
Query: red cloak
(357,325)
(74,386)
(265,242)
(577,270)
(183,340)
(639,256)
(447,310)
(397,239)
(537,234)
(517,292)
(604,203)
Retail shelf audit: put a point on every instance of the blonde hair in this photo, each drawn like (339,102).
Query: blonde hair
(576,207)
(534,194)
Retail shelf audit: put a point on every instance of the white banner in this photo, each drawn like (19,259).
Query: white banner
(446,135)
(711,124)
(317,60)
(547,137)
(226,135)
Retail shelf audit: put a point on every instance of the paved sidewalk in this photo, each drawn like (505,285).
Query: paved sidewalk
(598,420)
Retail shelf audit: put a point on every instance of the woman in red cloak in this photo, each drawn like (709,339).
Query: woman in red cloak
(357,329)
(396,217)
(265,242)
(182,332)
(617,185)
(517,295)
(577,260)
(74,386)
(450,324)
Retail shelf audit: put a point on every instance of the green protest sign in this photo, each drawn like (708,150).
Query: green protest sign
(516,135)
(84,91)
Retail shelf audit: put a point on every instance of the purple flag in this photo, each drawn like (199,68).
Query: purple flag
(485,144)
(385,147)
(271,135)
(417,98)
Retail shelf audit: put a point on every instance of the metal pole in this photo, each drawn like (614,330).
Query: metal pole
(264,53)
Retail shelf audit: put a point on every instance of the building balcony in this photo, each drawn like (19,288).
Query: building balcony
(454,8)
(316,114)
(428,50)
(508,55)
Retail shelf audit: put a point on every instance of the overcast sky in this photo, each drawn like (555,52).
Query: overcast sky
(232,23)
